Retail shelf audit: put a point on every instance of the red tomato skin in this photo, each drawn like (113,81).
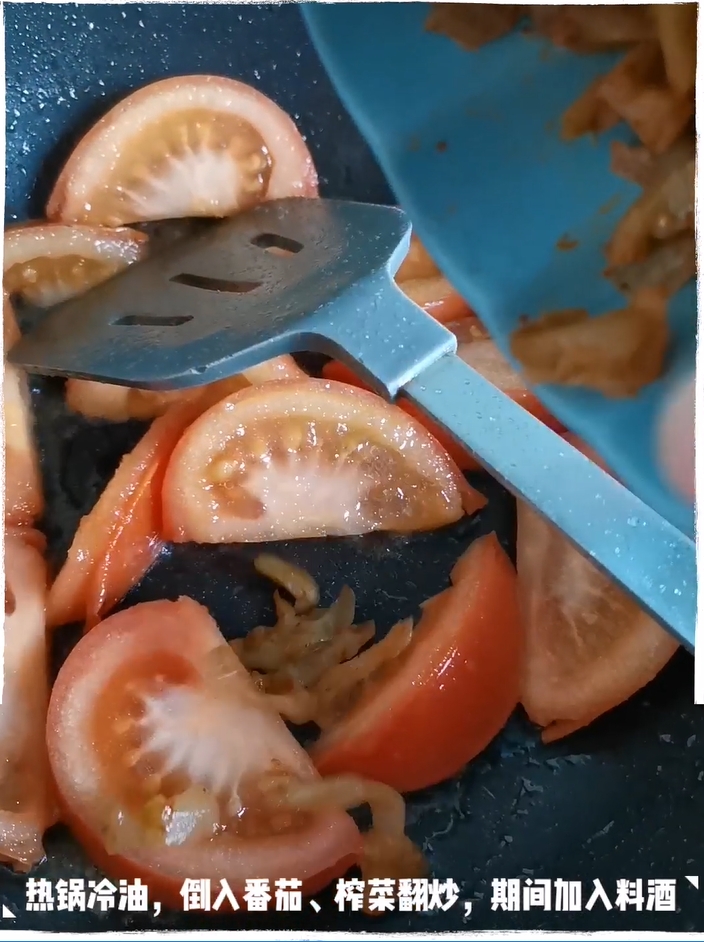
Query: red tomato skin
(120,538)
(136,542)
(453,694)
(74,592)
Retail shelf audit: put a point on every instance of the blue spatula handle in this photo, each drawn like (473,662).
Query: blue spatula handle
(650,559)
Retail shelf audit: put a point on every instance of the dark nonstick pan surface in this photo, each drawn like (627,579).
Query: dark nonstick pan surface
(621,800)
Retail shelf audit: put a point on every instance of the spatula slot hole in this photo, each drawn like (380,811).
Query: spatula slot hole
(221,285)
(152,320)
(277,244)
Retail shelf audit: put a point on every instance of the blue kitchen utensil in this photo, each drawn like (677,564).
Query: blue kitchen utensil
(218,302)
(470,143)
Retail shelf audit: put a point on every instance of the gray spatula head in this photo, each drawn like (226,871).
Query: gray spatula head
(290,275)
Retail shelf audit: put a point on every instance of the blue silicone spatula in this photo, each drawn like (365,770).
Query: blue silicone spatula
(219,302)
(470,142)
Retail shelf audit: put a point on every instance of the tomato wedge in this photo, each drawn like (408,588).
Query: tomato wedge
(158,748)
(48,262)
(121,537)
(589,647)
(484,357)
(26,799)
(24,500)
(294,460)
(449,693)
(194,145)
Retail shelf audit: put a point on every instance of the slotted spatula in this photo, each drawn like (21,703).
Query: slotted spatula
(317,275)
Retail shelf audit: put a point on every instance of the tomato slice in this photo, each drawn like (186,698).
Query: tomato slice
(26,799)
(293,460)
(158,756)
(121,537)
(48,263)
(449,693)
(589,647)
(194,145)
(24,500)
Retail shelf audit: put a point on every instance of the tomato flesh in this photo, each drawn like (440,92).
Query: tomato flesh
(135,723)
(24,500)
(308,459)
(589,646)
(27,805)
(451,691)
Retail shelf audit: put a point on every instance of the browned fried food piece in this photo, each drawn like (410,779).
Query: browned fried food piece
(616,353)
(665,209)
(637,90)
(632,163)
(585,29)
(588,114)
(671,265)
(472,25)
(677,31)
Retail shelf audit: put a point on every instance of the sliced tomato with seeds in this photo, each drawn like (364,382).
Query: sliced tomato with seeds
(294,460)
(160,745)
(194,145)
(121,537)
(24,499)
(48,262)
(27,806)
(448,694)
(589,646)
